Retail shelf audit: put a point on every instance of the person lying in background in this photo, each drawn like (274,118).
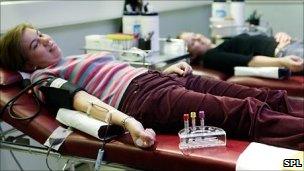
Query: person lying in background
(246,50)
(140,99)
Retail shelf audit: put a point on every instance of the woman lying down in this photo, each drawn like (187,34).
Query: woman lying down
(143,100)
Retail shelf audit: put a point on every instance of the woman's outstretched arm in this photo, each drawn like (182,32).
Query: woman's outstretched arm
(294,63)
(141,137)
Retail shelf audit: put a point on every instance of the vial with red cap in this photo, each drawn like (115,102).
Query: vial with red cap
(186,122)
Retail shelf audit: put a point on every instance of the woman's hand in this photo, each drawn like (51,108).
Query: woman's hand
(283,38)
(181,68)
(142,138)
(294,63)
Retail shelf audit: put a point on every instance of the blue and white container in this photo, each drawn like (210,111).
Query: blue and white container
(131,24)
(219,10)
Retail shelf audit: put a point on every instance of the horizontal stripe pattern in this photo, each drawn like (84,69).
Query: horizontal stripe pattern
(99,74)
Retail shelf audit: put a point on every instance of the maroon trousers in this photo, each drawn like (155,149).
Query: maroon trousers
(267,116)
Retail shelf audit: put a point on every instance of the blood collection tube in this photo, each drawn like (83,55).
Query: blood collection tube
(186,122)
(193,116)
(202,117)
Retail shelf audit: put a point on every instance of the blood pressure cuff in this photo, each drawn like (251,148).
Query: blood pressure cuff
(59,93)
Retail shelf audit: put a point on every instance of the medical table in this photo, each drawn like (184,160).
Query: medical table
(293,85)
(164,155)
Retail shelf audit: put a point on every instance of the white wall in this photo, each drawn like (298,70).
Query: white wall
(286,16)
(44,14)
(69,21)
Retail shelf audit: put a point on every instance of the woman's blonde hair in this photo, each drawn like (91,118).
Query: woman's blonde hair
(11,53)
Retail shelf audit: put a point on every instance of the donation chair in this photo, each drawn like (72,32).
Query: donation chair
(293,85)
(164,155)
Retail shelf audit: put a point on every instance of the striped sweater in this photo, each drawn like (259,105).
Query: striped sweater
(98,74)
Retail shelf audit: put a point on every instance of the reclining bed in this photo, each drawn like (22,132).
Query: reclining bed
(164,155)
(293,85)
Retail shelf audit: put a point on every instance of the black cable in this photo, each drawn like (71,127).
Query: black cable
(46,159)
(11,103)
(53,142)
(16,160)
(2,136)
(104,141)
(13,115)
(13,155)
(101,151)
(105,136)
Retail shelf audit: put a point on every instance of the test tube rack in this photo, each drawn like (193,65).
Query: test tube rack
(201,137)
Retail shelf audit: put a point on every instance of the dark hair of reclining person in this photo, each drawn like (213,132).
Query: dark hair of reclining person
(144,101)
(246,50)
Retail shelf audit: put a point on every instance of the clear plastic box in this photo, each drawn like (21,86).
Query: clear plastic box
(201,137)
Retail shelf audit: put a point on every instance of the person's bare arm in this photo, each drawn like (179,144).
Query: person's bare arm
(141,137)
(294,63)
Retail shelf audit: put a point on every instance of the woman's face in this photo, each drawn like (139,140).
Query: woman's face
(197,43)
(39,49)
